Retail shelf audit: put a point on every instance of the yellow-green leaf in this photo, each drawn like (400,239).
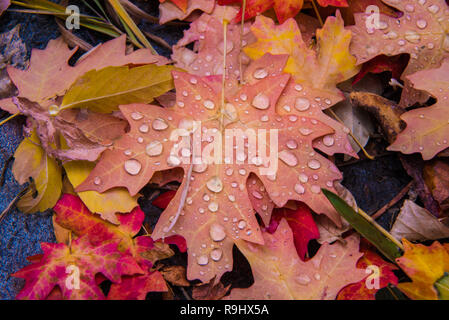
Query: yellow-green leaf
(32,161)
(108,203)
(104,90)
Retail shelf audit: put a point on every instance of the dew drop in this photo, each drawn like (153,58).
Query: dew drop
(291,144)
(202,260)
(208,104)
(132,166)
(213,207)
(215,184)
(328,141)
(97,180)
(314,164)
(242,224)
(302,104)
(173,161)
(421,23)
(299,188)
(136,116)
(217,232)
(303,280)
(260,73)
(288,158)
(154,148)
(144,128)
(216,254)
(159,124)
(261,101)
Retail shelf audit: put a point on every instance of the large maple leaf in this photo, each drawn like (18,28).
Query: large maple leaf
(422,32)
(50,270)
(427,128)
(211,208)
(170,11)
(279,274)
(315,73)
(424,265)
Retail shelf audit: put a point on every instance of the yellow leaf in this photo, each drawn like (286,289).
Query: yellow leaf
(424,265)
(32,161)
(322,68)
(104,90)
(107,203)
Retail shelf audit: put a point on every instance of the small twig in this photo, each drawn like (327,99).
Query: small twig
(393,201)
(4,169)
(158,40)
(13,202)
(184,292)
(317,13)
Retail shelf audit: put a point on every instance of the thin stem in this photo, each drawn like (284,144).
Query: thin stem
(352,135)
(317,13)
(242,81)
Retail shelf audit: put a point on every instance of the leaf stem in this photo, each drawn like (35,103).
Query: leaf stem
(317,13)
(242,29)
(352,135)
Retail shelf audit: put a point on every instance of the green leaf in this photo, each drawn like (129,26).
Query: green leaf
(442,286)
(104,90)
(367,227)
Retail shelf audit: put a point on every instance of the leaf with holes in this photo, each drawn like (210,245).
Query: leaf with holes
(61,265)
(211,208)
(422,32)
(169,11)
(279,274)
(315,73)
(427,130)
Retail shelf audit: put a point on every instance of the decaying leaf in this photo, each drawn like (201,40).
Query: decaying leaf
(210,291)
(436,176)
(59,262)
(279,274)
(4,4)
(169,11)
(415,223)
(427,128)
(176,275)
(213,194)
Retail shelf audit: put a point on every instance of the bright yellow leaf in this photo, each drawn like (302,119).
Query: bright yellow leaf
(323,67)
(424,265)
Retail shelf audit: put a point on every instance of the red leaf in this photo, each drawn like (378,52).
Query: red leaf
(164,199)
(360,290)
(51,271)
(383,63)
(302,224)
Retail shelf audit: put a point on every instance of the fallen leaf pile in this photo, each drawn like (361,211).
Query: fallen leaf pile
(105,127)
